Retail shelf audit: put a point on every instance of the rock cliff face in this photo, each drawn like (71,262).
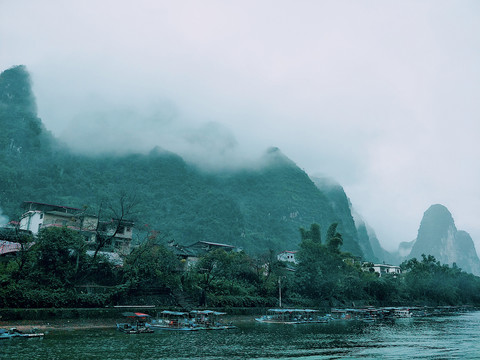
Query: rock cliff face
(438,236)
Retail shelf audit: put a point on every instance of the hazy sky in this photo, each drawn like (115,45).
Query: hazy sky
(383,96)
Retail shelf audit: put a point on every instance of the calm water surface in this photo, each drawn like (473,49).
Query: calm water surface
(448,337)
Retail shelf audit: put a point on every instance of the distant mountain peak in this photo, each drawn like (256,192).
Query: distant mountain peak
(22,131)
(274,156)
(16,89)
(438,236)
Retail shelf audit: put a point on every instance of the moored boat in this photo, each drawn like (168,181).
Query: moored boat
(402,313)
(15,333)
(367,315)
(173,320)
(210,320)
(292,316)
(136,324)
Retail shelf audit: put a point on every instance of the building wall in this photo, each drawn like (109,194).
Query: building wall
(386,269)
(287,256)
(32,220)
(61,220)
(90,223)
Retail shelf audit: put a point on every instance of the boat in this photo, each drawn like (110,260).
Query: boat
(15,333)
(367,315)
(402,313)
(210,320)
(292,316)
(371,314)
(174,320)
(137,323)
(368,319)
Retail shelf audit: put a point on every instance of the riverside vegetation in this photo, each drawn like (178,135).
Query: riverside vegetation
(54,270)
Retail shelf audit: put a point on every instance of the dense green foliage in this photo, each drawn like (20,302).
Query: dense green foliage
(55,271)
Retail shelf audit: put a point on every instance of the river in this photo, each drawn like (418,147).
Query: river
(443,337)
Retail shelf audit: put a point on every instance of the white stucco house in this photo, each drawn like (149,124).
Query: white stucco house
(288,256)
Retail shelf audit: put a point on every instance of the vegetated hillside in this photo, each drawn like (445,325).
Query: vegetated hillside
(260,208)
(438,236)
(341,206)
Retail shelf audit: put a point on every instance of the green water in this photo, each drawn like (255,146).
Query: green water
(448,337)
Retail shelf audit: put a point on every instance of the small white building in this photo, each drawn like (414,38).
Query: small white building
(40,215)
(383,269)
(288,256)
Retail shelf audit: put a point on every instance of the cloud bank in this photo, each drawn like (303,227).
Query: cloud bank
(382,96)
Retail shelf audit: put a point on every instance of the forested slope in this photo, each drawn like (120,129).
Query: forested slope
(257,208)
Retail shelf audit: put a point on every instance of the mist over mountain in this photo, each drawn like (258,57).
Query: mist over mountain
(405,247)
(256,207)
(438,236)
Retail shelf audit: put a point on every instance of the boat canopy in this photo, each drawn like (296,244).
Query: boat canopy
(283,311)
(207,312)
(135,314)
(174,313)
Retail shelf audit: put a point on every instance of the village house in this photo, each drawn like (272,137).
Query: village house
(191,253)
(288,256)
(120,232)
(382,269)
(37,216)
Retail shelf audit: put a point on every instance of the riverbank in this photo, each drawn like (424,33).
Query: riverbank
(70,319)
(84,324)
(50,314)
(60,324)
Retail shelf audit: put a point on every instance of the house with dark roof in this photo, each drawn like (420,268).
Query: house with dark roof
(193,252)
(38,216)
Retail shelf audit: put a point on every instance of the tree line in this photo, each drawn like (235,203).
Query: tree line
(54,270)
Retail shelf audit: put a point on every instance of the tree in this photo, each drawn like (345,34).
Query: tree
(152,264)
(226,273)
(112,219)
(24,239)
(312,234)
(321,272)
(334,239)
(61,253)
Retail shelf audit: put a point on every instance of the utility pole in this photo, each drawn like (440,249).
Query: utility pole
(280,291)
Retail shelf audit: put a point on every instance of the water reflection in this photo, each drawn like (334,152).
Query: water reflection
(419,338)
